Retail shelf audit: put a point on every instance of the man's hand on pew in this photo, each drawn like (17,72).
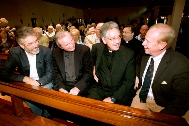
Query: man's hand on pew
(74,91)
(30,81)
(63,90)
(108,99)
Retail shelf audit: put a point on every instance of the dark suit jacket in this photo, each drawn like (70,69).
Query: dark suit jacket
(123,69)
(18,58)
(133,44)
(83,67)
(173,71)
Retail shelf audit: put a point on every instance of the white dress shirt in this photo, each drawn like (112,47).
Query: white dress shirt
(157,60)
(33,69)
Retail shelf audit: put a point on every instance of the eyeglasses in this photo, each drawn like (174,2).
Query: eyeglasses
(114,39)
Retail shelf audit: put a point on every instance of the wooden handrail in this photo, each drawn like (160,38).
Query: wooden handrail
(3,56)
(97,110)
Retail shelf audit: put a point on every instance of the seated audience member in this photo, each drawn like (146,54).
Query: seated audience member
(43,40)
(11,34)
(90,31)
(164,74)
(3,22)
(129,40)
(114,69)
(82,32)
(93,25)
(72,65)
(64,27)
(5,42)
(33,63)
(50,33)
(87,28)
(75,33)
(93,38)
(71,27)
(58,27)
(143,31)
(7,28)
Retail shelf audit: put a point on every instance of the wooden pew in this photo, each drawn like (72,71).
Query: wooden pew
(3,56)
(7,118)
(93,109)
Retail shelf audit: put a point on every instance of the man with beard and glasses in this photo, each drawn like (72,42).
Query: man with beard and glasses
(114,68)
(33,63)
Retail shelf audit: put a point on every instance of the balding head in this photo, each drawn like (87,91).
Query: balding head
(165,33)
(38,32)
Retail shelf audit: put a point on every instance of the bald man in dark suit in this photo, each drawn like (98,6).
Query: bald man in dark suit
(169,87)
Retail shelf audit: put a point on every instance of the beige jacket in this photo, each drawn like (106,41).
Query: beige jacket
(90,40)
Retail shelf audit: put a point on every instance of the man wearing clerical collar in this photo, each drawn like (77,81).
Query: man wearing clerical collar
(131,42)
(114,68)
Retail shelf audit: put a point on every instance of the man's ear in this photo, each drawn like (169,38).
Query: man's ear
(163,45)
(103,40)
(133,34)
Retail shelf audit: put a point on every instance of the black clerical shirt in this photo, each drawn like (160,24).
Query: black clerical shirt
(104,70)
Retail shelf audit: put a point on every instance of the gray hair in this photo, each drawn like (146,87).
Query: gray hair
(60,34)
(38,30)
(58,25)
(166,33)
(23,32)
(108,26)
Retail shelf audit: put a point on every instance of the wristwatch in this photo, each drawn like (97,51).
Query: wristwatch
(112,99)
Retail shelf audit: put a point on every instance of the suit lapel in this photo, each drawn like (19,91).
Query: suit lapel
(162,66)
(76,56)
(24,61)
(143,65)
(60,62)
(39,58)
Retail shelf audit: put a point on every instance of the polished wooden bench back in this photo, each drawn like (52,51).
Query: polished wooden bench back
(97,110)
(3,56)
